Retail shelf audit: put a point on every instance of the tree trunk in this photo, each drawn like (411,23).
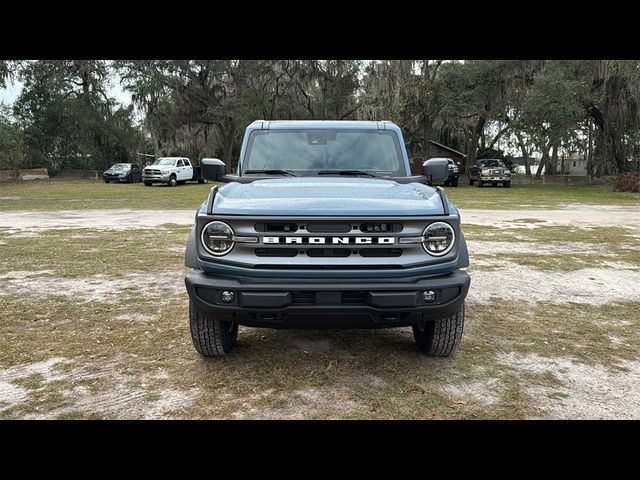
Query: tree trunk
(228,135)
(427,126)
(473,148)
(525,154)
(553,170)
(543,162)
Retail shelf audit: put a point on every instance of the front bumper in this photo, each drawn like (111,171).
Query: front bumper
(495,178)
(155,178)
(115,178)
(327,303)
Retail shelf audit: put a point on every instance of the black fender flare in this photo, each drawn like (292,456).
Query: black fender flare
(191,253)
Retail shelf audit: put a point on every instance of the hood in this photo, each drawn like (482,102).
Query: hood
(327,196)
(159,167)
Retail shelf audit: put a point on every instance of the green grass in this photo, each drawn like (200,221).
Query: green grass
(89,194)
(290,373)
(561,233)
(310,374)
(71,253)
(537,196)
(56,194)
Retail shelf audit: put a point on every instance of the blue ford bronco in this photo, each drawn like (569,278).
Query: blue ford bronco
(324,226)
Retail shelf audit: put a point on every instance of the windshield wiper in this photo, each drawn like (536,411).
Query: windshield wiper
(272,172)
(347,172)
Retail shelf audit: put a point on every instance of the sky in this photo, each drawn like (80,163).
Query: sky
(10,94)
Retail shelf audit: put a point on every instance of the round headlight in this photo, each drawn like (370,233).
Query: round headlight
(439,238)
(217,238)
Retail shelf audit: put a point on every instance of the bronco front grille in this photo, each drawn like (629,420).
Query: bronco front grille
(327,252)
(356,243)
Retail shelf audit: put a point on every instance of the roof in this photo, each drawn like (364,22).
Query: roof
(447,148)
(323,124)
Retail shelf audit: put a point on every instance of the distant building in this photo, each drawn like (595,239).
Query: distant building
(574,164)
(437,150)
(521,169)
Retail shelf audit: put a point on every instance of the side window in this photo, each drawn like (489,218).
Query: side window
(186,163)
(180,164)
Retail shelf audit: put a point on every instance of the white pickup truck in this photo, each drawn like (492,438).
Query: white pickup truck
(171,171)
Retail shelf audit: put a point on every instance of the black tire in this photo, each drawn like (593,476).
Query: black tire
(211,337)
(507,184)
(106,181)
(201,181)
(172,181)
(147,184)
(480,184)
(440,338)
(454,182)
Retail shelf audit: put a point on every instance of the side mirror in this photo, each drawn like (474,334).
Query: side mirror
(436,170)
(213,169)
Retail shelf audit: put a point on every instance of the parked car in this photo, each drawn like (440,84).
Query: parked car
(171,171)
(123,173)
(490,171)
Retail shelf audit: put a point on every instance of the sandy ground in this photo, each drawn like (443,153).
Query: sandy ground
(576,215)
(586,391)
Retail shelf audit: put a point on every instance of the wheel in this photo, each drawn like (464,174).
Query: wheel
(147,184)
(454,182)
(440,338)
(172,181)
(446,183)
(201,181)
(106,181)
(480,184)
(507,184)
(211,337)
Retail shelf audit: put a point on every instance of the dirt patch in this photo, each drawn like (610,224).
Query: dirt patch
(533,248)
(94,288)
(134,317)
(312,345)
(117,395)
(119,219)
(574,214)
(485,392)
(587,391)
(303,403)
(593,286)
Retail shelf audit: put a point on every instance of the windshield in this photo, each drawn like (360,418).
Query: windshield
(314,150)
(492,163)
(164,161)
(121,166)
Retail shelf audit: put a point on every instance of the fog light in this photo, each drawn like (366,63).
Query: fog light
(429,296)
(227,296)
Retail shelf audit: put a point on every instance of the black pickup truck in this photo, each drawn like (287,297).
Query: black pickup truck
(490,171)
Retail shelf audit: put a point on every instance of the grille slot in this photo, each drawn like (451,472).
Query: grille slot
(303,298)
(329,227)
(276,227)
(276,252)
(380,252)
(328,252)
(354,298)
(380,227)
